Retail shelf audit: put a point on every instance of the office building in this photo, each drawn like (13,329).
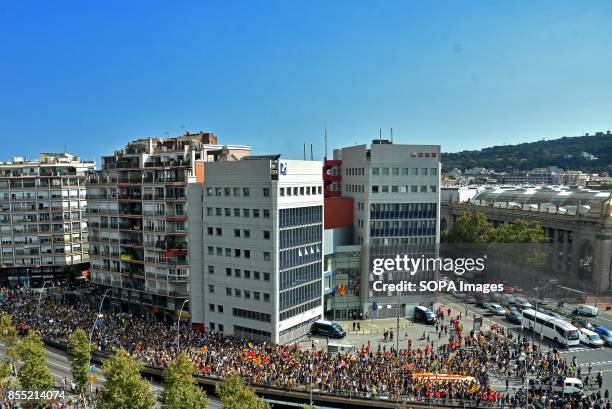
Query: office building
(43,220)
(139,219)
(394,191)
(256,246)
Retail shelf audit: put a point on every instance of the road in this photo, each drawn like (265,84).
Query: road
(600,359)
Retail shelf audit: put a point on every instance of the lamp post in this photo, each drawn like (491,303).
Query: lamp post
(98,316)
(40,295)
(178,326)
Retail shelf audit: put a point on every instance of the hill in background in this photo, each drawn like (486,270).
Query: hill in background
(566,152)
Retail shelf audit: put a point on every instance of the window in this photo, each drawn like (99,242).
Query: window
(237,292)
(374,189)
(282,191)
(385,189)
(405,171)
(221,328)
(255,212)
(236,232)
(247,274)
(266,213)
(266,255)
(218,211)
(228,252)
(226,191)
(228,212)
(209,211)
(266,235)
(266,276)
(432,188)
(414,171)
(246,233)
(246,191)
(237,252)
(219,251)
(219,231)
(246,212)
(256,275)
(302,191)
(247,294)
(228,272)
(211,269)
(237,273)
(385,171)
(209,191)
(266,297)
(266,191)
(217,191)
(211,288)
(236,212)
(228,291)
(413,188)
(424,171)
(211,307)
(220,309)
(434,171)
(403,189)
(236,191)
(209,231)
(395,171)
(423,188)
(394,189)
(375,171)
(256,295)
(288,191)
(247,254)
(212,326)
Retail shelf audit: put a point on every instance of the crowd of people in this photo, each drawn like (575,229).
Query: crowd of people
(366,372)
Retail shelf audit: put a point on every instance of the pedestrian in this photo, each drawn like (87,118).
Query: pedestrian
(358,326)
(391,336)
(354,325)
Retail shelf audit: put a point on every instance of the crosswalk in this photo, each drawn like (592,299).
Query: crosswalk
(574,350)
(599,363)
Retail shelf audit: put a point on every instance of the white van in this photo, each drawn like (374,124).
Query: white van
(590,338)
(587,310)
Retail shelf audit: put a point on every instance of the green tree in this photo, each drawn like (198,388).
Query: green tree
(180,387)
(519,232)
(34,373)
(79,362)
(8,336)
(470,228)
(123,387)
(235,394)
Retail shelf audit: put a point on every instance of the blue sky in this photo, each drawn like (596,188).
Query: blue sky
(92,75)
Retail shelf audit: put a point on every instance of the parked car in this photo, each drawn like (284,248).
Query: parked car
(481,302)
(587,310)
(496,309)
(514,316)
(328,329)
(605,334)
(540,301)
(522,303)
(424,314)
(590,338)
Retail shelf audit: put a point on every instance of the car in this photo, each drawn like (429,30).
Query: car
(424,314)
(605,334)
(522,303)
(582,323)
(590,338)
(587,310)
(555,315)
(496,309)
(540,301)
(481,302)
(328,329)
(508,298)
(514,316)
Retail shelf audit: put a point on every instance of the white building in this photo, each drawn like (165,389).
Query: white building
(256,243)
(43,220)
(396,195)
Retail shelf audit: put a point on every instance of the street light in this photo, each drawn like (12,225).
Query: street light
(178,326)
(98,316)
(40,295)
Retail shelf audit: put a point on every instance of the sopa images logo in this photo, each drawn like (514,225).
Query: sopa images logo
(283,168)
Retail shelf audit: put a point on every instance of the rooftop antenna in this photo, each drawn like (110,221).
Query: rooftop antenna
(379,134)
(325,140)
(65,149)
(304,150)
(391,135)
(311,152)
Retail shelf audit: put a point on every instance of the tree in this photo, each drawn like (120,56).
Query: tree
(519,232)
(235,394)
(79,362)
(8,336)
(180,387)
(470,228)
(123,387)
(34,373)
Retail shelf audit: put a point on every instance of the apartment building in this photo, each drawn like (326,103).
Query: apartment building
(43,220)
(256,257)
(138,219)
(395,192)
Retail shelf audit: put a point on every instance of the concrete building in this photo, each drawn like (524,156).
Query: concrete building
(43,220)
(578,223)
(257,248)
(395,192)
(138,219)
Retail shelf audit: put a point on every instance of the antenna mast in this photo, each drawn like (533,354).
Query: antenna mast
(325,140)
